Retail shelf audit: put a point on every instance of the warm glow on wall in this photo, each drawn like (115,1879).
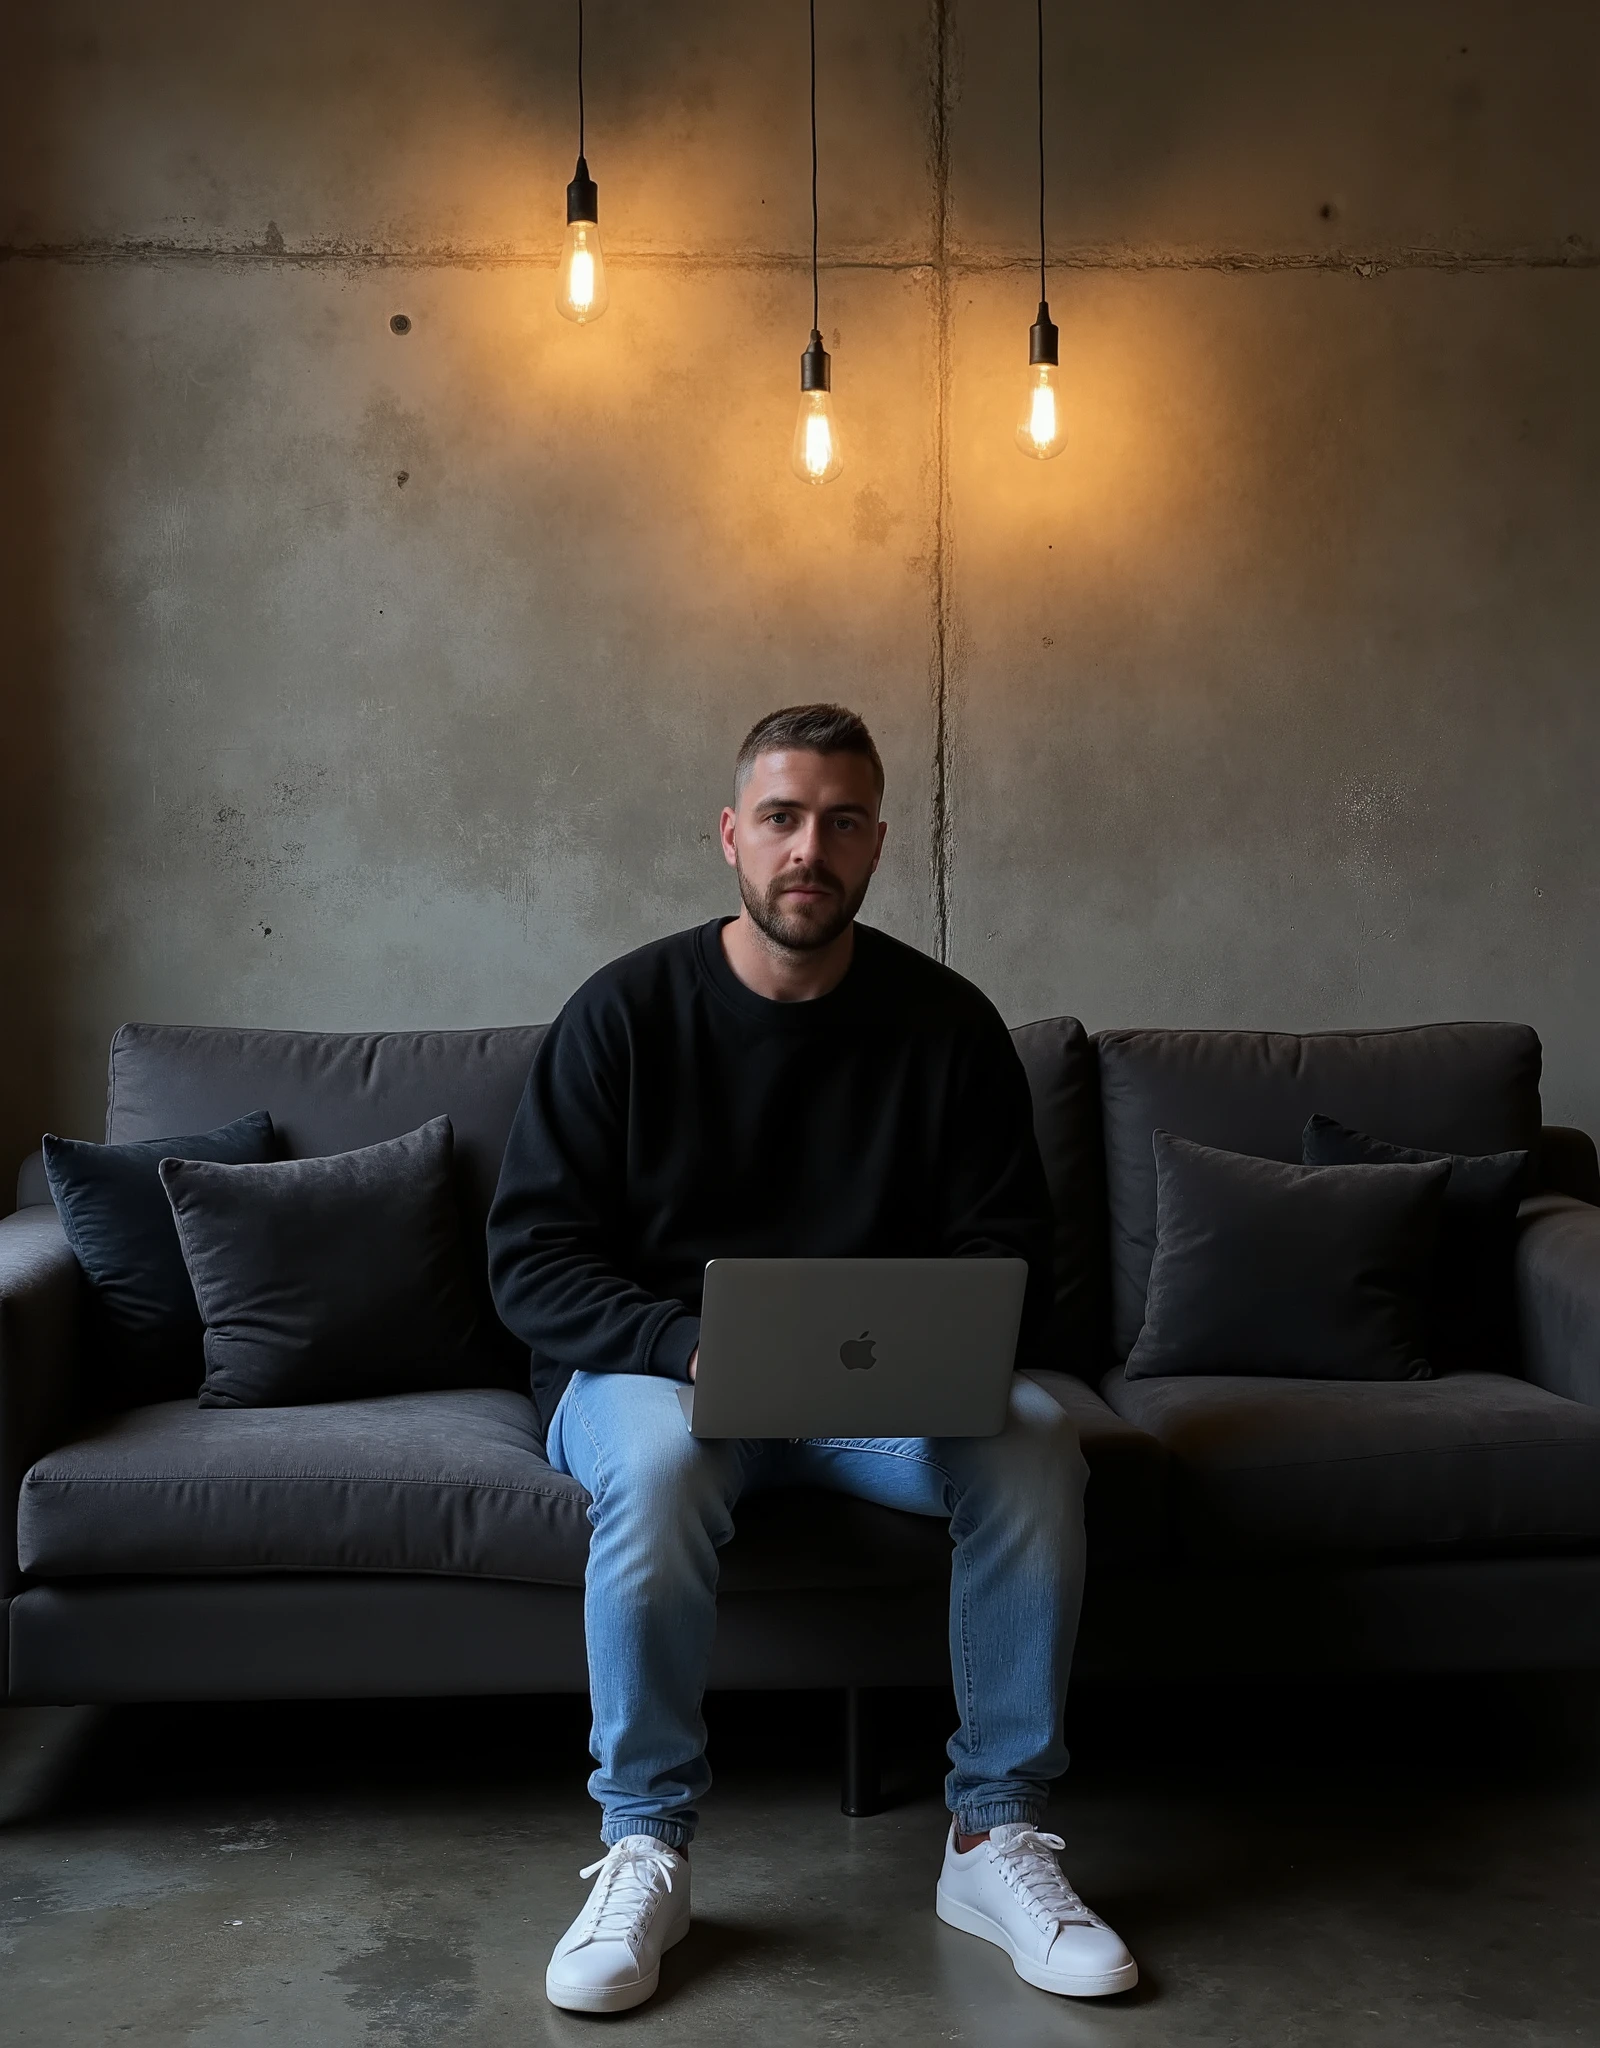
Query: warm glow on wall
(816,452)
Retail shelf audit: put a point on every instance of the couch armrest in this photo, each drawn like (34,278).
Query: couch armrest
(1566,1163)
(41,1392)
(1558,1295)
(33,1188)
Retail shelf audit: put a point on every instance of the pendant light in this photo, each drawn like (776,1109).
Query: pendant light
(816,457)
(1041,431)
(581,281)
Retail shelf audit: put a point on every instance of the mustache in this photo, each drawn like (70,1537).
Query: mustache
(806,878)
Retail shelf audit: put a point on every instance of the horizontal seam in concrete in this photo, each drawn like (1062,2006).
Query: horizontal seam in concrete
(1365,263)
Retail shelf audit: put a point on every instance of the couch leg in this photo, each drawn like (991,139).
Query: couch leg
(862,1791)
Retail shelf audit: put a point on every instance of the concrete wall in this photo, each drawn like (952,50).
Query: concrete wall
(353,679)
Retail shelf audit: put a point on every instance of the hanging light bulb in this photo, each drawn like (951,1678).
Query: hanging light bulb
(1041,431)
(581,293)
(1041,428)
(815,456)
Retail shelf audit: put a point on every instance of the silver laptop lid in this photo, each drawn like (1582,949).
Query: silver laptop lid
(857,1347)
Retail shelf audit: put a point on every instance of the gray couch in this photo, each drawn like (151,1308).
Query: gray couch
(422,1545)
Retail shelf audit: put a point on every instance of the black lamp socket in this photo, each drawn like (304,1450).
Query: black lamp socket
(816,365)
(1044,338)
(583,197)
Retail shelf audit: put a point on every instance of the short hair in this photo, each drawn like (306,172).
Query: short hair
(807,729)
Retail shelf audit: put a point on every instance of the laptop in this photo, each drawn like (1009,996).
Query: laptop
(855,1347)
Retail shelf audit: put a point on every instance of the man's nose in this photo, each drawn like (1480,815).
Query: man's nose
(806,850)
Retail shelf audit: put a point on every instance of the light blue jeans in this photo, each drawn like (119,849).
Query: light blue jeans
(661,1505)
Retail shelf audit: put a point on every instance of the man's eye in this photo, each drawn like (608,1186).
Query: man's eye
(777,817)
(844,824)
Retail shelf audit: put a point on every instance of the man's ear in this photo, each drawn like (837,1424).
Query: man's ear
(729,852)
(882,829)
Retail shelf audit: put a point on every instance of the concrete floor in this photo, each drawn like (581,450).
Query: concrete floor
(1386,1864)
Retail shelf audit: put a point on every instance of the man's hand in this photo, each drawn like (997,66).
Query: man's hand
(694,1360)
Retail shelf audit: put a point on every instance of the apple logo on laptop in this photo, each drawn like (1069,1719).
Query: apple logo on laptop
(856,1353)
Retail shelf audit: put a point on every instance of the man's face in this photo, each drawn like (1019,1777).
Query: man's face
(805,838)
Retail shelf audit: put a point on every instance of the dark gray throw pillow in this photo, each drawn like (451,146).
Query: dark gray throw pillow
(1308,1272)
(146,1337)
(327,1279)
(1470,1302)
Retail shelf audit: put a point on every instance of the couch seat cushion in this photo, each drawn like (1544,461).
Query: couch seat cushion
(453,1483)
(457,1483)
(1124,1509)
(1474,1463)
(436,1482)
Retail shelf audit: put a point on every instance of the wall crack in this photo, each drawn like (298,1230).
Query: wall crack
(941,578)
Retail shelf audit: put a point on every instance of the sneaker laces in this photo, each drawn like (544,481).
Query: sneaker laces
(634,1873)
(1027,1859)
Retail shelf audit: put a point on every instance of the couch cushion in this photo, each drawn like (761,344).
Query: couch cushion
(1308,1272)
(1064,1081)
(328,1279)
(328,1091)
(335,1091)
(1125,1507)
(114,1211)
(1443,1087)
(1470,1299)
(452,1483)
(436,1482)
(457,1483)
(1476,1463)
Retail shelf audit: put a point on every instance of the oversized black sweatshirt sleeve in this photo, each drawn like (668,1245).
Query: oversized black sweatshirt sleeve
(557,1217)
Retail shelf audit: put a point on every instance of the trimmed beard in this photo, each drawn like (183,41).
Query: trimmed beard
(792,932)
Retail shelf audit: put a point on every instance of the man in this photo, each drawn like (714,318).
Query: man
(788,1083)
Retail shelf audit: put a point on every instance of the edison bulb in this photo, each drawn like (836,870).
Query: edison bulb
(581,282)
(816,457)
(1041,430)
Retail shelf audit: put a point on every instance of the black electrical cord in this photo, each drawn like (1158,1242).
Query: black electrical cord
(815,299)
(1043,293)
(580,77)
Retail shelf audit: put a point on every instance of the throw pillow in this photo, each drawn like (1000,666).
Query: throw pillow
(109,1197)
(1470,1303)
(327,1279)
(1307,1272)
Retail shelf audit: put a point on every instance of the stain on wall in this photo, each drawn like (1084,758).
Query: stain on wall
(377,642)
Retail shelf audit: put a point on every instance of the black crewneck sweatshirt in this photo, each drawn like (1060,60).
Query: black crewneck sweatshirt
(673,1116)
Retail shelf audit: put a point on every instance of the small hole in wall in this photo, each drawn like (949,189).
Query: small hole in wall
(1328,210)
(402,477)
(400,323)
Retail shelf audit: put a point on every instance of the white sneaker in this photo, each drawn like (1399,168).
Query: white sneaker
(610,1957)
(1010,1890)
